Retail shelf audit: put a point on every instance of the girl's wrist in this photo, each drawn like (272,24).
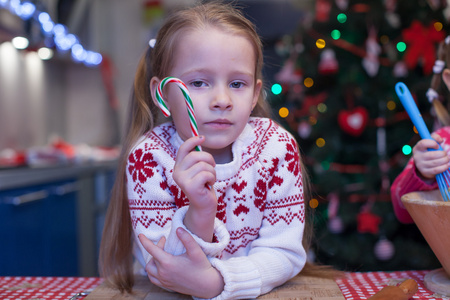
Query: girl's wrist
(201,222)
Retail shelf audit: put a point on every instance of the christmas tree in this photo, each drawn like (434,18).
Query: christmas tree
(335,92)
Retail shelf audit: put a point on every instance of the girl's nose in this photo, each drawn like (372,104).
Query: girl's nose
(222,101)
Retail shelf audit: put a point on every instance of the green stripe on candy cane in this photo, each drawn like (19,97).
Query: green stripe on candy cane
(189,105)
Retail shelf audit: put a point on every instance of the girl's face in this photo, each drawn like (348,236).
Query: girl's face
(219,70)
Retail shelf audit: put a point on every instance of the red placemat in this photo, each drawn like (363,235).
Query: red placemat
(27,288)
(356,286)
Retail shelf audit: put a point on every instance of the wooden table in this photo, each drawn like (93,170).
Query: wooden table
(354,286)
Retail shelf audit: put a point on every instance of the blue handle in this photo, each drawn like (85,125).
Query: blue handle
(411,108)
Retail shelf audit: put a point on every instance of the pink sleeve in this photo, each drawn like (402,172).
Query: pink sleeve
(406,182)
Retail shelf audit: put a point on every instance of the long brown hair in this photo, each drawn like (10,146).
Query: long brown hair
(442,60)
(115,262)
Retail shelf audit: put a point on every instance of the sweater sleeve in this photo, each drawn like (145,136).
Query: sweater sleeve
(277,254)
(406,182)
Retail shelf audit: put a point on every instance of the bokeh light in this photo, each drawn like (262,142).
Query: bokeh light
(320,142)
(320,43)
(391,105)
(308,82)
(283,112)
(406,149)
(313,203)
(276,89)
(342,18)
(401,46)
(335,34)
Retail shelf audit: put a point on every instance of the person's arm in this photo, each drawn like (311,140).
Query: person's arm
(195,174)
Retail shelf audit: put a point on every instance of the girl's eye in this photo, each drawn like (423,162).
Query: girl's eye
(236,84)
(197,83)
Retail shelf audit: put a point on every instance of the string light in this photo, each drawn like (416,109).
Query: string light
(322,107)
(308,82)
(20,42)
(320,142)
(342,18)
(276,89)
(45,53)
(401,46)
(283,112)
(391,105)
(406,149)
(335,34)
(438,26)
(63,40)
(320,43)
(313,203)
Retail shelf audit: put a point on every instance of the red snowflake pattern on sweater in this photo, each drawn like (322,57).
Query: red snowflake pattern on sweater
(140,165)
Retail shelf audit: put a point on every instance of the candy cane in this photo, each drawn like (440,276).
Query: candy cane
(190,107)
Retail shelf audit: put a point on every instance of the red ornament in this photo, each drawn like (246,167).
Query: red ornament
(368,222)
(353,121)
(323,8)
(421,42)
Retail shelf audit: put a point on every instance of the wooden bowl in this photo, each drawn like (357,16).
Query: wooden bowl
(432,216)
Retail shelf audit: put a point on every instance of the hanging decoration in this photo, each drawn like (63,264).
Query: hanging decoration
(384,249)
(335,224)
(323,8)
(342,4)
(353,121)
(421,41)
(328,64)
(371,62)
(368,222)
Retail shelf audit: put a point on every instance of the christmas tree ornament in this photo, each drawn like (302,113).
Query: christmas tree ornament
(304,129)
(288,73)
(353,121)
(384,249)
(437,4)
(335,224)
(368,222)
(371,62)
(323,8)
(328,63)
(400,70)
(421,43)
(342,4)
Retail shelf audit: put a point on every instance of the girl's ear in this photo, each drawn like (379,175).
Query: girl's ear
(258,87)
(154,83)
(446,77)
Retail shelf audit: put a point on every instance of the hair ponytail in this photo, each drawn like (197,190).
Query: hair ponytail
(443,58)
(115,259)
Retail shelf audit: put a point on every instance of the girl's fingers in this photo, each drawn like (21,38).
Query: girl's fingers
(189,145)
(154,250)
(192,248)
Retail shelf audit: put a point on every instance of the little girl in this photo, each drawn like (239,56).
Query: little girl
(226,222)
(421,170)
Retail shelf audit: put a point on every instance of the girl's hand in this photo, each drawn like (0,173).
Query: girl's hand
(195,174)
(189,273)
(430,163)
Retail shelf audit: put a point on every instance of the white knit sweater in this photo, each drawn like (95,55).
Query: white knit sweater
(261,213)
